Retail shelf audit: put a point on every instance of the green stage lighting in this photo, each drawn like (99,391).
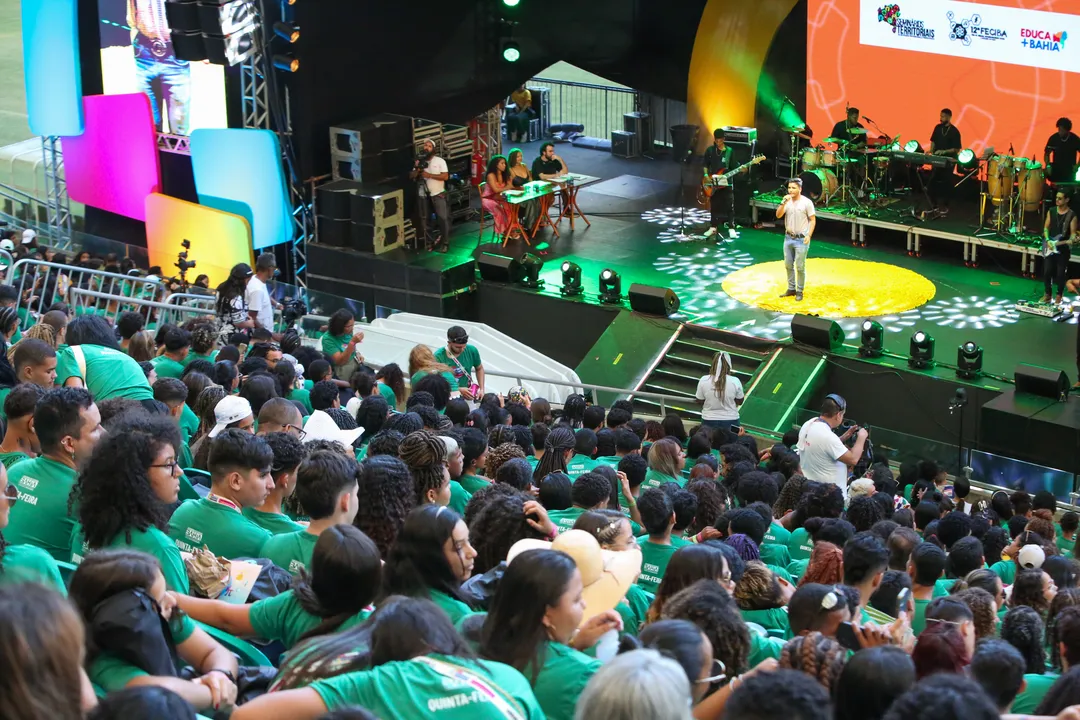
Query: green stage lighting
(966,158)
(511,51)
(610,286)
(511,3)
(531,266)
(571,279)
(912,146)
(921,351)
(873,339)
(969,360)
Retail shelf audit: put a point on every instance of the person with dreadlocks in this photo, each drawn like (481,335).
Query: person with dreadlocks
(558,449)
(423,452)
(819,657)
(720,393)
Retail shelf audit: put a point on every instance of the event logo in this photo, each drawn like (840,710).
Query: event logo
(904,27)
(1043,40)
(972,29)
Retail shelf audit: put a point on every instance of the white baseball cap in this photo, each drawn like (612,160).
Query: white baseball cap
(320,426)
(230,409)
(28,236)
(1031,556)
(6,244)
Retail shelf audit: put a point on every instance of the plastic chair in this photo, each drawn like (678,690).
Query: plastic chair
(187,490)
(248,653)
(66,571)
(199,477)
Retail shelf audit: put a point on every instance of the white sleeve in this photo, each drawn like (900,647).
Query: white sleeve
(738,388)
(438,165)
(836,448)
(701,387)
(810,209)
(250,298)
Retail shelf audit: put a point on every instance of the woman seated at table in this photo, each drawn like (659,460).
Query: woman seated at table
(497,181)
(519,175)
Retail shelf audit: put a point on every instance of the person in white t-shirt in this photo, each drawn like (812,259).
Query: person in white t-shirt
(257,297)
(721,394)
(823,456)
(433,195)
(799,224)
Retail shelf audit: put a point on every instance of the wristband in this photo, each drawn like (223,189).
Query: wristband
(554,532)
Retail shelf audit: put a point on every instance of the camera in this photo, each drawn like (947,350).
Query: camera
(422,162)
(292,310)
(182,261)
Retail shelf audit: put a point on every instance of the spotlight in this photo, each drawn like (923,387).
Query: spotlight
(921,350)
(511,3)
(966,158)
(912,146)
(511,51)
(571,279)
(286,63)
(873,339)
(969,360)
(610,286)
(287,31)
(530,268)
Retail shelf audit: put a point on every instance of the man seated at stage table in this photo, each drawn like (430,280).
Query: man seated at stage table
(548,166)
(843,129)
(1064,145)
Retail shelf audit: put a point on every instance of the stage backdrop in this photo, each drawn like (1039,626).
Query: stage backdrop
(1008,73)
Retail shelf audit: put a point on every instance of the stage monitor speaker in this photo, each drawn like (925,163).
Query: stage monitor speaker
(499,268)
(653,300)
(333,198)
(1041,381)
(377,239)
(333,231)
(818,332)
(377,205)
(624,144)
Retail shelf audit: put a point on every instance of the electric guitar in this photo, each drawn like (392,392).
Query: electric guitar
(1053,245)
(710,182)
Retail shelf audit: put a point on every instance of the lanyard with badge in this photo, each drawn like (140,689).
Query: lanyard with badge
(223,501)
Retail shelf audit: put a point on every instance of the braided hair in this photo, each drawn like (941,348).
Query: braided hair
(816,655)
(559,440)
(826,565)
(423,451)
(499,455)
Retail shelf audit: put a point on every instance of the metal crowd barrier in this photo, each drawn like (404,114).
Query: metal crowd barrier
(7,266)
(41,283)
(81,299)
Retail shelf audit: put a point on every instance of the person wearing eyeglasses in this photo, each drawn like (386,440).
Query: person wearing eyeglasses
(278,415)
(823,455)
(136,462)
(288,453)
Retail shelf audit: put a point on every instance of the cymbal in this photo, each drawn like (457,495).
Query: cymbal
(838,141)
(857,131)
(793,130)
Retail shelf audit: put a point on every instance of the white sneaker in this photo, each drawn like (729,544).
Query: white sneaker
(710,232)
(732,234)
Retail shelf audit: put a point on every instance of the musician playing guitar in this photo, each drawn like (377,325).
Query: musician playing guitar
(722,202)
(1059,231)
(945,140)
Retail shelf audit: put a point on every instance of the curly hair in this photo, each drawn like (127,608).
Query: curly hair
(712,502)
(204,336)
(863,512)
(498,521)
(982,607)
(826,565)
(1069,597)
(498,455)
(789,495)
(1023,629)
(423,452)
(387,491)
(758,589)
(1028,590)
(711,608)
(1044,526)
(819,657)
(113,494)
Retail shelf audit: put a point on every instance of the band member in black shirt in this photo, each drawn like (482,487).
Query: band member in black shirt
(722,202)
(843,128)
(944,140)
(1064,145)
(1059,231)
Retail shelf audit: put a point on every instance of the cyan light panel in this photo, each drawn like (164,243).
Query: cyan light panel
(240,171)
(51,67)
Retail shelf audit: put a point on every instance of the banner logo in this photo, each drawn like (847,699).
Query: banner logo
(904,27)
(1043,40)
(971,29)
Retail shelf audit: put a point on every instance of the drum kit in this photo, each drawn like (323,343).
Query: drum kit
(839,169)
(1014,187)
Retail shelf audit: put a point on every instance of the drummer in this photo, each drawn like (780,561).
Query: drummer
(849,129)
(1064,145)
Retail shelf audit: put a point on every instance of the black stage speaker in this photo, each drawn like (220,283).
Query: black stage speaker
(498,268)
(818,332)
(653,300)
(1041,381)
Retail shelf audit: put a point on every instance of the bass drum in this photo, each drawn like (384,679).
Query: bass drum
(819,185)
(1030,184)
(1000,173)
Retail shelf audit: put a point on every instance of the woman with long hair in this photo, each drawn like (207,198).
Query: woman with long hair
(125,494)
(425,454)
(614,532)
(406,661)
(422,362)
(721,394)
(430,559)
(558,449)
(124,588)
(204,409)
(390,382)
(688,565)
(666,462)
(496,181)
(540,409)
(535,625)
(519,175)
(387,488)
(232,309)
(141,346)
(346,573)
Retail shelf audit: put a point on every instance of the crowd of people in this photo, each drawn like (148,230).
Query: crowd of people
(428,549)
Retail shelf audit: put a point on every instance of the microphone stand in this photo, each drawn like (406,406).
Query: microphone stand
(682,236)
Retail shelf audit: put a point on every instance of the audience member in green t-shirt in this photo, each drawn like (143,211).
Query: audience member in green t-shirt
(464,362)
(240,464)
(137,462)
(68,426)
(127,324)
(326,488)
(626,443)
(103,369)
(474,449)
(170,363)
(35,363)
(666,462)
(540,595)
(23,563)
(343,579)
(658,518)
(278,415)
(926,566)
(288,453)
(865,563)
(339,343)
(1066,532)
(581,461)
(558,449)
(20,440)
(455,464)
(390,383)
(113,576)
(762,599)
(422,363)
(204,341)
(590,491)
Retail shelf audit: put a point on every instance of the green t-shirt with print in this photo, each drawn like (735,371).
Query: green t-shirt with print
(302,396)
(26,563)
(110,373)
(40,517)
(654,561)
(579,465)
(291,551)
(918,618)
(10,458)
(609,460)
(166,367)
(150,541)
(447,375)
(473,483)
(282,618)
(110,673)
(221,528)
(654,479)
(565,519)
(561,679)
(463,367)
(775,555)
(777,534)
(414,689)
(451,606)
(800,544)
(771,619)
(459,497)
(388,394)
(276,523)
(1037,687)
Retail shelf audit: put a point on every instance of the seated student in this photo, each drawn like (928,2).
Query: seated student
(865,563)
(773,551)
(204,341)
(137,462)
(325,395)
(818,500)
(326,488)
(68,426)
(93,360)
(666,463)
(173,394)
(762,598)
(35,362)
(886,599)
(614,532)
(268,351)
(558,449)
(430,559)
(115,589)
(955,613)
(584,448)
(424,453)
(818,608)
(1066,532)
(965,556)
(240,477)
(658,519)
(220,413)
(335,594)
(20,440)
(750,523)
(635,468)
(127,324)
(998,667)
(901,542)
(23,563)
(926,566)
(288,454)
(589,492)
(170,363)
(626,443)
(278,415)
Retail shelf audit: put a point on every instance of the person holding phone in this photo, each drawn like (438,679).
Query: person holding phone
(464,360)
(823,456)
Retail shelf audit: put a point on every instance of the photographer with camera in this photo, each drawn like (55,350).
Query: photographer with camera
(823,455)
(433,172)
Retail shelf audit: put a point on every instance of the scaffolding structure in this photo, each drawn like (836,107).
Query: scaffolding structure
(486,131)
(57,202)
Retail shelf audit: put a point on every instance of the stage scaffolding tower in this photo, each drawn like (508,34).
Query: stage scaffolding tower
(57,202)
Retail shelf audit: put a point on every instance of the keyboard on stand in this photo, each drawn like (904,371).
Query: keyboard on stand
(923,159)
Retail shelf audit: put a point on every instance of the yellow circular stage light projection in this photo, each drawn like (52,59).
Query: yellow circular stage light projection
(834,288)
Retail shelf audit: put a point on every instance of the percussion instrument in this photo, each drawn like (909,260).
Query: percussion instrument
(1031,183)
(828,158)
(810,158)
(797,132)
(819,184)
(881,162)
(1000,173)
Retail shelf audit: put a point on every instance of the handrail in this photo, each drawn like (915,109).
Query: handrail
(31,269)
(590,386)
(139,301)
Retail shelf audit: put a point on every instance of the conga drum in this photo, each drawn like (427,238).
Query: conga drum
(1000,174)
(1030,184)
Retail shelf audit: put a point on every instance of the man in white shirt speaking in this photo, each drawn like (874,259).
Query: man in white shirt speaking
(823,456)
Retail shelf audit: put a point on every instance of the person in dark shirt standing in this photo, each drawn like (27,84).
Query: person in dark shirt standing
(722,202)
(1064,146)
(843,128)
(945,140)
(1059,232)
